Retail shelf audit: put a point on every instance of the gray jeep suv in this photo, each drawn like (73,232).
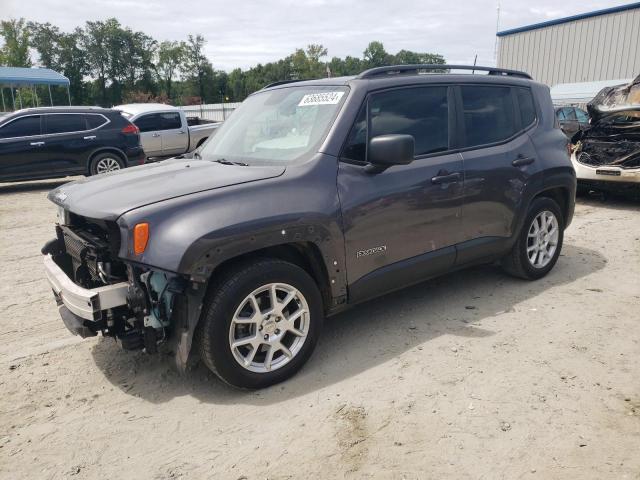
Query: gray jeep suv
(313,196)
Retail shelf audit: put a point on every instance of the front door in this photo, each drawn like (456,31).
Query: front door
(22,149)
(175,137)
(150,126)
(401,224)
(500,161)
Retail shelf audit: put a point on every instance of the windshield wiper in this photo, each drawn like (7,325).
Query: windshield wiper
(197,156)
(224,161)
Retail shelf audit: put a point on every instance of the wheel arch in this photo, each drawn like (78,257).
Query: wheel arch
(304,254)
(100,150)
(562,196)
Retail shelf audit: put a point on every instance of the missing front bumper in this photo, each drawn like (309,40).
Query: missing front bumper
(87,304)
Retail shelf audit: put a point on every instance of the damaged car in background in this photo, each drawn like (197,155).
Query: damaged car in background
(607,154)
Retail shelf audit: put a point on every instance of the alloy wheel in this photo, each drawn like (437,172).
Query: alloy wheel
(542,239)
(269,327)
(107,164)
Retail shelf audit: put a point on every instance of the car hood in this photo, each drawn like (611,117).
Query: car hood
(109,195)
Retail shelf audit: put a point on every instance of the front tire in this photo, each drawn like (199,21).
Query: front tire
(539,243)
(104,163)
(260,323)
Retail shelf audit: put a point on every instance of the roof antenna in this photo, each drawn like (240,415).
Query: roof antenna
(495,46)
(475,60)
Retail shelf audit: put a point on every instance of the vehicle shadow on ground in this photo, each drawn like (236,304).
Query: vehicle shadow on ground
(610,200)
(357,340)
(6,188)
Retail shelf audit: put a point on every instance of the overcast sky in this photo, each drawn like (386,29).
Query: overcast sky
(246,32)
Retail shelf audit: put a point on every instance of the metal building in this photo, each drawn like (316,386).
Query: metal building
(601,45)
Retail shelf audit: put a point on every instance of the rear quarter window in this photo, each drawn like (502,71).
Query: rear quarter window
(527,108)
(95,121)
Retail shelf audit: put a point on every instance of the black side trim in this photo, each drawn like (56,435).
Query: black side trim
(401,274)
(484,248)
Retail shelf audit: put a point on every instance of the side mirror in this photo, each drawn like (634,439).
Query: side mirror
(388,150)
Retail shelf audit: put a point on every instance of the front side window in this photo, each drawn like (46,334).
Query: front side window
(149,123)
(488,114)
(21,127)
(65,123)
(170,121)
(582,116)
(420,112)
(279,126)
(356,146)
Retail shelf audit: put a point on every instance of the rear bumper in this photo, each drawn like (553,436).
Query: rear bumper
(135,156)
(87,304)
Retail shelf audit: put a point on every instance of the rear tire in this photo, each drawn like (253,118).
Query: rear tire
(105,162)
(539,243)
(248,339)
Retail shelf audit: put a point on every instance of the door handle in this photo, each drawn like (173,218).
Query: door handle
(155,135)
(36,144)
(90,137)
(447,178)
(181,132)
(521,161)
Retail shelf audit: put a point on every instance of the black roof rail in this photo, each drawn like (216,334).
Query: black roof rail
(415,69)
(281,82)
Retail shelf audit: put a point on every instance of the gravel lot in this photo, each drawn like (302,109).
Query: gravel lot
(473,375)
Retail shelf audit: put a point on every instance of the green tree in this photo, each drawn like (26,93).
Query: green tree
(196,63)
(95,42)
(171,56)
(376,56)
(15,35)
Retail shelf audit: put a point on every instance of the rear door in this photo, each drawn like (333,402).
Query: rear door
(22,153)
(69,142)
(401,224)
(150,125)
(499,162)
(175,136)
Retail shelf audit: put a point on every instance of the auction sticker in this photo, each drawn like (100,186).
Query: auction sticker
(324,98)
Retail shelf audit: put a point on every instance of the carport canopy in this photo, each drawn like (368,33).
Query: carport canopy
(18,77)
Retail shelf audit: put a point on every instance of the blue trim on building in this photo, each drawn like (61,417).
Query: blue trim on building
(573,18)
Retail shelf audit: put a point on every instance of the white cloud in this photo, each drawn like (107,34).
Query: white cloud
(244,33)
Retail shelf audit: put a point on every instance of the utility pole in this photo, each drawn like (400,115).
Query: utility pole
(495,47)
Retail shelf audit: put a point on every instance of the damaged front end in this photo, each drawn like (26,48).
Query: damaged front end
(98,292)
(613,140)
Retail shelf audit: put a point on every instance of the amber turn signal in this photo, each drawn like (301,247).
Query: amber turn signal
(140,237)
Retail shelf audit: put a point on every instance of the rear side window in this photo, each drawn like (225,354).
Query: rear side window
(421,112)
(527,109)
(65,123)
(149,123)
(22,127)
(95,121)
(170,121)
(488,114)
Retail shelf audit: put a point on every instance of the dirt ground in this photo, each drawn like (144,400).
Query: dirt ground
(473,375)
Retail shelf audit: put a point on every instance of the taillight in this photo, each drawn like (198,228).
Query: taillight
(130,129)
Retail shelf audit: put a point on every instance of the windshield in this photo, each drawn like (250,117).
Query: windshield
(280,126)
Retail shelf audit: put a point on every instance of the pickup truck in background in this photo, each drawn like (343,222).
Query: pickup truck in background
(165,130)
